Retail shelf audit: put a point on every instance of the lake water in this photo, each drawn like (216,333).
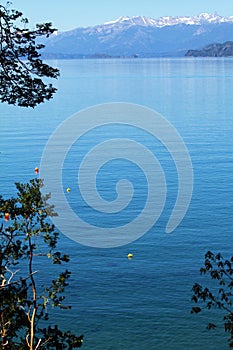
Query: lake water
(143,303)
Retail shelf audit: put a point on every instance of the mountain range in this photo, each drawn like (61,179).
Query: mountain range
(141,36)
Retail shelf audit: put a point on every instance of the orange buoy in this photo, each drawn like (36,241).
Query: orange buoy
(6,216)
(36,170)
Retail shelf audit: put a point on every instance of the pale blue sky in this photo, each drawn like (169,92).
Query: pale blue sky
(69,14)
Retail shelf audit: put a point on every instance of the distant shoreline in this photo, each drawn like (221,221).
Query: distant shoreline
(130,58)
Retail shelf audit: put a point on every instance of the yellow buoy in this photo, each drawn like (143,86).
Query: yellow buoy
(130,256)
(68,190)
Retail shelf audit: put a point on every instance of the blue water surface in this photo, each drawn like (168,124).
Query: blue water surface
(143,303)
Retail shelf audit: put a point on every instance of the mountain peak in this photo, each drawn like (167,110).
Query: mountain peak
(169,20)
(135,20)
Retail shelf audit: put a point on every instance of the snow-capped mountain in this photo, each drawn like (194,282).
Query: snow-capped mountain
(169,20)
(142,37)
(135,20)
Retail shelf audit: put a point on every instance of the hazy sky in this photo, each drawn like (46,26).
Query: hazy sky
(69,14)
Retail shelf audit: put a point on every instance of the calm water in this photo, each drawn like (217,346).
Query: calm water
(144,303)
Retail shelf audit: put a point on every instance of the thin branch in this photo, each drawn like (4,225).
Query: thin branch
(12,275)
(32,335)
(16,282)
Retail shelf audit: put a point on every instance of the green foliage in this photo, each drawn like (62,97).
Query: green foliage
(221,295)
(21,67)
(25,238)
